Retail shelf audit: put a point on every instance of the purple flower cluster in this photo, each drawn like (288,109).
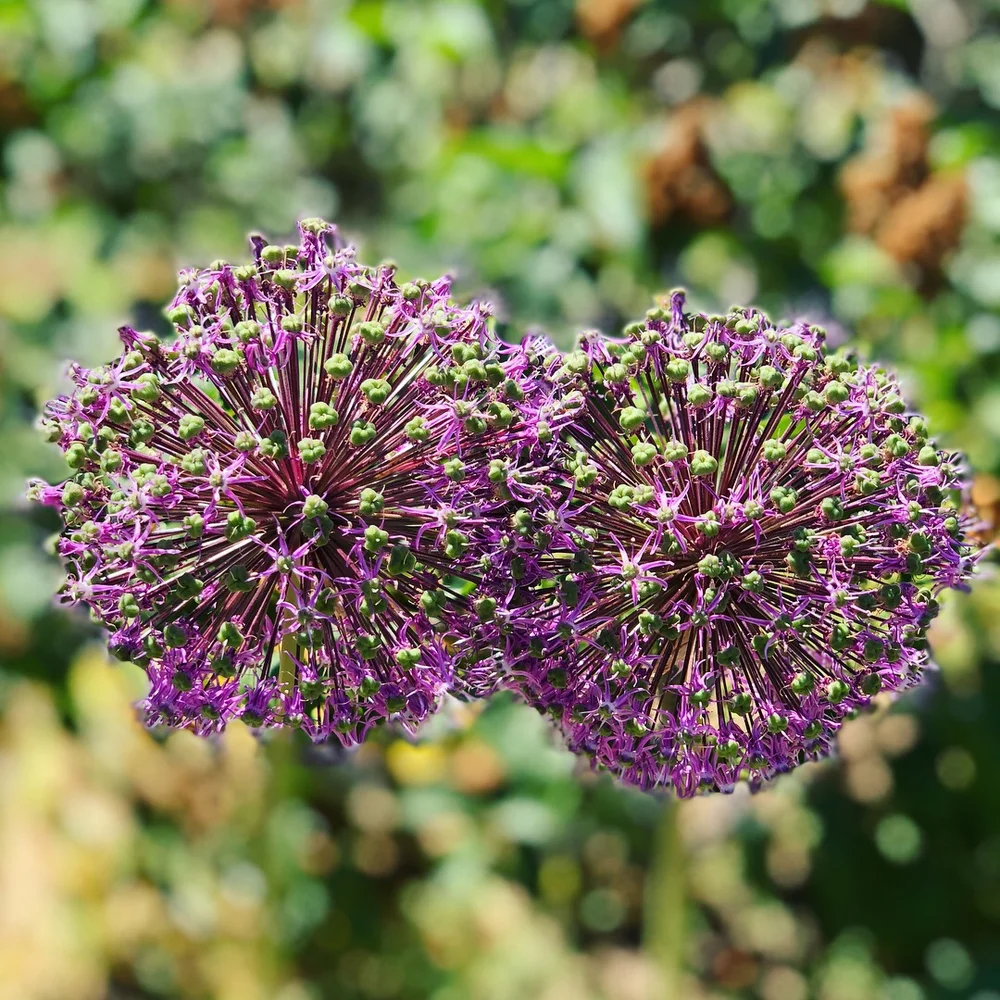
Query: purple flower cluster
(270,513)
(333,498)
(748,546)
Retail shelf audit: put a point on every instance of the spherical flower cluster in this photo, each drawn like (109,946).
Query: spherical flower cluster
(277,514)
(748,547)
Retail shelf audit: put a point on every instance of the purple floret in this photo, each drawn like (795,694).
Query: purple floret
(270,514)
(748,546)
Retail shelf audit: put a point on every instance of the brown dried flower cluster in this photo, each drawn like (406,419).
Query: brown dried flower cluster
(601,21)
(915,215)
(680,179)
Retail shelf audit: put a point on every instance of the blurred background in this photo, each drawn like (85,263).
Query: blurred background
(833,159)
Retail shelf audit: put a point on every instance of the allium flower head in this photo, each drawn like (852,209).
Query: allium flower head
(270,514)
(750,547)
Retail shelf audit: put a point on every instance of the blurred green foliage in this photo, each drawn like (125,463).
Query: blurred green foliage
(830,158)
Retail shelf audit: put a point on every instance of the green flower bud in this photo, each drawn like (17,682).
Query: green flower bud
(774,450)
(263,399)
(181,681)
(678,369)
(368,647)
(190,426)
(376,390)
(849,546)
(814,401)
(873,650)
(615,374)
(928,456)
(147,389)
(194,461)
(272,254)
(475,370)
(675,451)
(777,723)
(432,602)
(188,587)
(741,703)
(454,469)
(897,446)
(375,538)
(556,676)
(311,450)
(314,506)
(239,526)
(76,455)
(784,499)
(456,544)
(512,390)
(174,637)
(871,684)
(285,279)
(729,656)
(841,636)
(867,482)
(407,658)
(486,608)
(699,395)
(371,332)
(803,683)
(362,432)
(194,525)
(836,692)
(322,416)
(370,502)
(703,464)
(631,418)
(179,315)
(230,635)
(128,606)
(225,361)
(770,377)
(717,352)
(159,486)
(643,452)
(710,565)
(247,330)
(500,414)
(142,431)
(244,441)
(401,560)
(832,508)
(338,366)
(836,392)
(340,306)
